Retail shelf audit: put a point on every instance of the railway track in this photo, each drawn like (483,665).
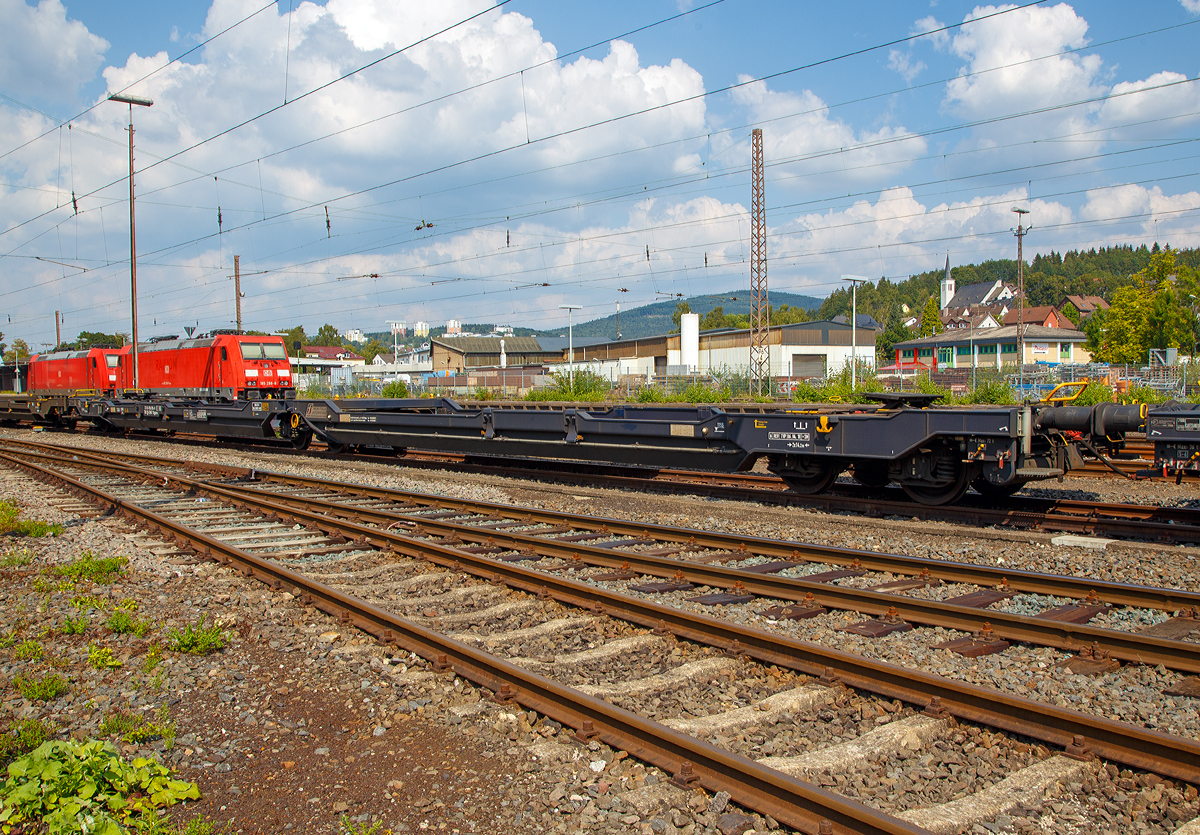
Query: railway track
(1151,523)
(839,713)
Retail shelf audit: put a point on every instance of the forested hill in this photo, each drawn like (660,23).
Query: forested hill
(657,318)
(1094,272)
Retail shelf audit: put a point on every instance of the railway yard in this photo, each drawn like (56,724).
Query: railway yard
(431,646)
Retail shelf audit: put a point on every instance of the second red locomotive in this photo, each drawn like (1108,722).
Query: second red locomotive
(219,366)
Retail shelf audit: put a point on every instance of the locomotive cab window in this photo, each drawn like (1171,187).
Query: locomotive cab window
(224,354)
(274,351)
(252,350)
(112,360)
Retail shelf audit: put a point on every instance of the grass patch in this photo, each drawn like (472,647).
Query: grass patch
(29,651)
(11,523)
(75,626)
(135,729)
(151,824)
(119,723)
(102,658)
(17,558)
(101,571)
(124,623)
(71,787)
(197,639)
(351,828)
(23,737)
(44,689)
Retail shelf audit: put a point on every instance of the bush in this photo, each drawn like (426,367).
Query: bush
(73,787)
(991,393)
(197,639)
(585,386)
(101,658)
(1094,393)
(397,390)
(1145,394)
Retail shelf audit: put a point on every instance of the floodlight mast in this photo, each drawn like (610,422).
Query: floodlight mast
(141,101)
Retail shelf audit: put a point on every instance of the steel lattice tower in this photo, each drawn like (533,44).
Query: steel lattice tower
(760,357)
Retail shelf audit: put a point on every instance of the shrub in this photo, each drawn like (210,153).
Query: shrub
(119,723)
(398,389)
(585,385)
(43,689)
(1145,394)
(87,567)
(72,787)
(1094,393)
(992,393)
(197,639)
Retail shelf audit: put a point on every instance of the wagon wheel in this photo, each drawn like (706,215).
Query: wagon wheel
(945,493)
(302,438)
(338,449)
(873,474)
(812,476)
(996,491)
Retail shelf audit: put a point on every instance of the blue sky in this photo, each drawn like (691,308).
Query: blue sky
(540,186)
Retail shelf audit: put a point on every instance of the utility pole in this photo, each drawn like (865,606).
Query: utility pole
(855,280)
(142,102)
(1021,232)
(237,288)
(618,321)
(57,332)
(760,323)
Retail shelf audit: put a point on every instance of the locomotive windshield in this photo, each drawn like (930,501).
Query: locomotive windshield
(259,350)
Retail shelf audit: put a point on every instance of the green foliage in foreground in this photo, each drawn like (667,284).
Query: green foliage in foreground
(11,524)
(73,787)
(197,639)
(44,689)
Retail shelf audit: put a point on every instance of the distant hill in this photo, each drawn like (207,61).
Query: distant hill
(655,319)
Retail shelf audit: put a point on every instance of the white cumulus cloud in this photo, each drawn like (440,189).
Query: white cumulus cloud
(44,54)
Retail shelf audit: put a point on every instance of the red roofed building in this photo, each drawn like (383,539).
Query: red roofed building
(1046,315)
(331,353)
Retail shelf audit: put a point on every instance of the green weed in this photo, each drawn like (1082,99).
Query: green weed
(29,651)
(84,602)
(16,559)
(10,523)
(102,658)
(119,723)
(23,737)
(44,689)
(153,657)
(101,571)
(74,626)
(123,623)
(197,639)
(351,828)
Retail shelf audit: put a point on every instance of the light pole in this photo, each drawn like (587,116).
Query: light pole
(142,102)
(570,308)
(854,280)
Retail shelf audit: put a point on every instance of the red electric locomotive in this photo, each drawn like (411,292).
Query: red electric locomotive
(68,372)
(218,366)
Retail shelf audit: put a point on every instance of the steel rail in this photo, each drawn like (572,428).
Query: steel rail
(1164,754)
(1131,647)
(1086,518)
(1142,649)
(785,798)
(1122,594)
